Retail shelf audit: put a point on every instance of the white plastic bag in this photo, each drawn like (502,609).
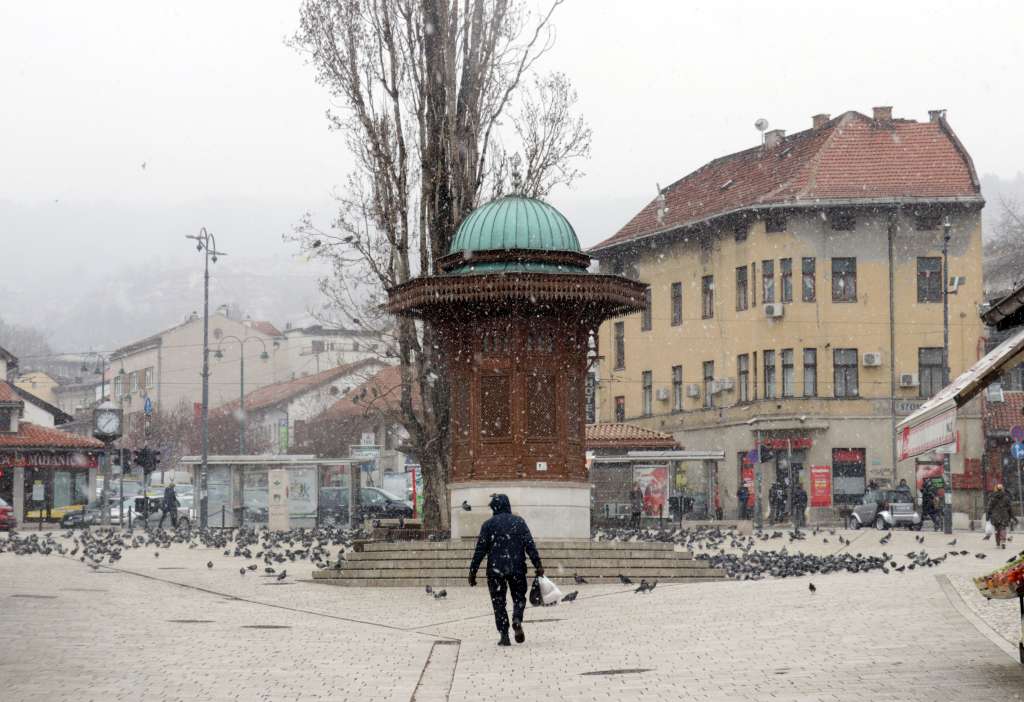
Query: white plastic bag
(549,591)
(989,529)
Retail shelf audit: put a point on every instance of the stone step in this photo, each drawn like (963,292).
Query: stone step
(565,584)
(463,572)
(416,554)
(549,563)
(541,545)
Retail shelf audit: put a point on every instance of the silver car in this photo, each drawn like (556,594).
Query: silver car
(885,509)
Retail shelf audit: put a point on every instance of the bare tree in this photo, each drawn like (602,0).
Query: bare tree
(1004,250)
(27,343)
(422,87)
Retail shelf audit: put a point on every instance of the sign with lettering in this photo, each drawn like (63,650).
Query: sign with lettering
(795,443)
(821,486)
(940,430)
(591,395)
(46,459)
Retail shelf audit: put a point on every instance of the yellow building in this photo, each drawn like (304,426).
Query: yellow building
(796,301)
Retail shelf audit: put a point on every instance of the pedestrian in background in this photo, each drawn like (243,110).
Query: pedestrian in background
(903,490)
(506,541)
(799,504)
(743,496)
(1000,513)
(636,505)
(170,506)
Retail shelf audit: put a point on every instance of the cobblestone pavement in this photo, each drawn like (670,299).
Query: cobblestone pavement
(112,635)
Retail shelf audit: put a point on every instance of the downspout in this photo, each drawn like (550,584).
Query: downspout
(893,216)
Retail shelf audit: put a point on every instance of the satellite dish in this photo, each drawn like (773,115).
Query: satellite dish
(761,124)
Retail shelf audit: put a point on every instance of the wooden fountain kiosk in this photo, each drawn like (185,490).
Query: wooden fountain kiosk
(513,307)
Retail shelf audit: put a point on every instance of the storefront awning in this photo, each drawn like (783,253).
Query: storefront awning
(933,424)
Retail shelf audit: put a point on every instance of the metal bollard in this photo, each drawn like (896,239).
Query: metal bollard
(222,516)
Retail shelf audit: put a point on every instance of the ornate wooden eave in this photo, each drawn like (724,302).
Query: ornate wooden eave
(601,295)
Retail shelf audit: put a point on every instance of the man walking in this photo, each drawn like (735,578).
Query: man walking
(799,504)
(742,497)
(506,541)
(636,505)
(170,506)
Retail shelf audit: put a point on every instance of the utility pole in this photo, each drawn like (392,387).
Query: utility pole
(206,243)
(758,506)
(947,471)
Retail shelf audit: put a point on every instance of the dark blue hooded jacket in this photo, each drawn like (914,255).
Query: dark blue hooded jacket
(505,540)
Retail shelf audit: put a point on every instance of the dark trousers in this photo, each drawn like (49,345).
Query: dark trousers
(174,518)
(497,584)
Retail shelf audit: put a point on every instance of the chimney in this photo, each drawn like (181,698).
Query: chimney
(819,120)
(936,115)
(883,115)
(774,137)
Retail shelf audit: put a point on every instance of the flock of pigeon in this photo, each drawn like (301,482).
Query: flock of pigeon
(99,547)
(744,561)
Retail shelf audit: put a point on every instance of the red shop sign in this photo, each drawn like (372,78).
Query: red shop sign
(848,456)
(796,443)
(45,459)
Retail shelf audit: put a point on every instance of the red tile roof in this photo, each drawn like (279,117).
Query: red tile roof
(8,392)
(270,395)
(382,393)
(1000,417)
(264,327)
(33,436)
(624,436)
(851,157)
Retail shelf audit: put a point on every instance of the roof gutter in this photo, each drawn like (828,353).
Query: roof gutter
(809,204)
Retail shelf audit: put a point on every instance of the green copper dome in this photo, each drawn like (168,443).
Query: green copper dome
(515,222)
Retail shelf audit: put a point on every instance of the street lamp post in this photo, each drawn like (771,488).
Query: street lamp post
(947,477)
(241,380)
(206,243)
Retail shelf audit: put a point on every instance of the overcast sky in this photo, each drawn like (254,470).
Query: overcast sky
(231,127)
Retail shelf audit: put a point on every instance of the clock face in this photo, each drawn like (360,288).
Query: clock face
(108,422)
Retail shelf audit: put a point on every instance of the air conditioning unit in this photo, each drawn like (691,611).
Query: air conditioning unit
(693,390)
(661,393)
(714,387)
(726,383)
(872,359)
(773,309)
(908,380)
(994,392)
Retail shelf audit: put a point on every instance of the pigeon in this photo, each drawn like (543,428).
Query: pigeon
(653,584)
(429,590)
(316,243)
(979,555)
(952,543)
(810,586)
(624,580)
(571,597)
(156,554)
(209,564)
(644,587)
(466,507)
(283,575)
(269,571)
(440,594)
(241,571)
(580,580)
(252,567)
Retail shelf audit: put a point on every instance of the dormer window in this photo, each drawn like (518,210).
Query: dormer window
(8,420)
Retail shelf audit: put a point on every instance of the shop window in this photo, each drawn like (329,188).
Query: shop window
(645,316)
(844,280)
(769,374)
(707,297)
(743,377)
(620,409)
(620,345)
(495,409)
(929,279)
(808,284)
(741,288)
(540,405)
(929,371)
(677,304)
(768,281)
(648,393)
(786,280)
(788,374)
(810,372)
(677,388)
(845,380)
(848,479)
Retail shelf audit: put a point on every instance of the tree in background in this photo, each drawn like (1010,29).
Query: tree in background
(1003,252)
(440,104)
(28,344)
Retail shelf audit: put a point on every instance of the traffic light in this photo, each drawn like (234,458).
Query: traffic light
(154,459)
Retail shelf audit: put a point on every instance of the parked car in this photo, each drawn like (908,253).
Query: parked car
(885,509)
(90,514)
(144,516)
(375,503)
(7,521)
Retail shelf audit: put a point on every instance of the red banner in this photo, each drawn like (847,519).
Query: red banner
(48,459)
(821,486)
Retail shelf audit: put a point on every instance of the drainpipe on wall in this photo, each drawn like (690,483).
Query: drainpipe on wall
(893,218)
